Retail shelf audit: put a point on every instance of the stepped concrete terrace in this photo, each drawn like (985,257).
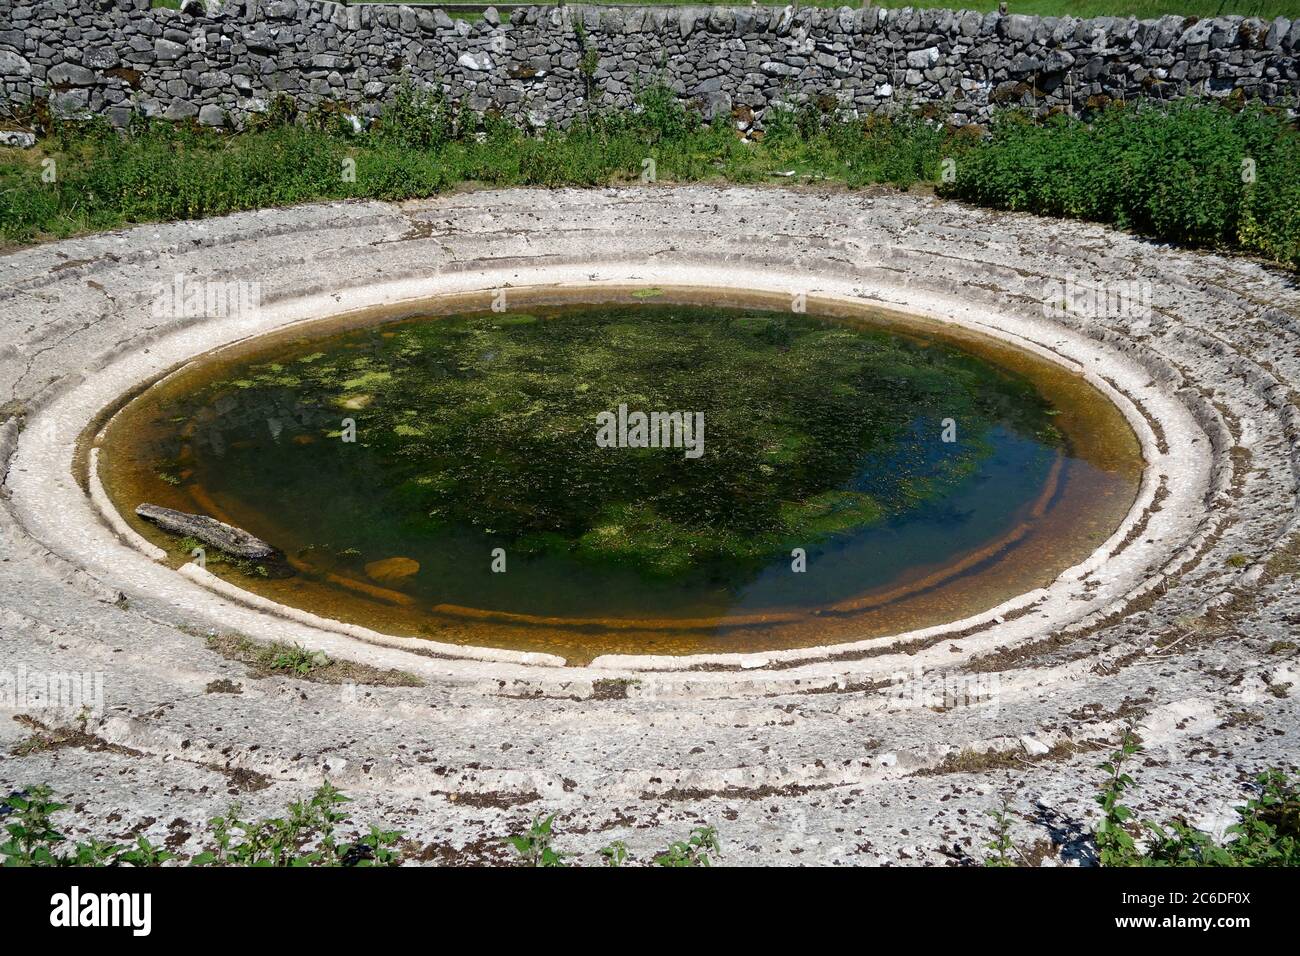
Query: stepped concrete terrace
(1184,624)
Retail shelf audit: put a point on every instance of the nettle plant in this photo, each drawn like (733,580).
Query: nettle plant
(694,851)
(1267,831)
(306,835)
(534,846)
(1115,844)
(34,840)
(1195,171)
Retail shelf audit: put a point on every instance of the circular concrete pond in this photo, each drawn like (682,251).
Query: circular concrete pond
(819,474)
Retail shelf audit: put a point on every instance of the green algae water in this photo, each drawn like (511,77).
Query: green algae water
(627,476)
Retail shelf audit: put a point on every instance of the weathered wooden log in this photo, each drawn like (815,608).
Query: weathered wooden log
(218,534)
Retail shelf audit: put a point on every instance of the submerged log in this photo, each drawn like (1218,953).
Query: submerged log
(218,534)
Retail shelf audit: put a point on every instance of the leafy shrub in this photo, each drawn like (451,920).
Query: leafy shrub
(416,119)
(1269,223)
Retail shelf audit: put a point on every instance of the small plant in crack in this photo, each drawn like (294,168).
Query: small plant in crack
(295,661)
(33,840)
(693,851)
(1115,845)
(615,854)
(294,658)
(590,59)
(1000,847)
(534,847)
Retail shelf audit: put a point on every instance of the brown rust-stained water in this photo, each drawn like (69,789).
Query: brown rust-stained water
(476,443)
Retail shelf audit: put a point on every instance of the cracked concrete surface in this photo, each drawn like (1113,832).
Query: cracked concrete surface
(1185,625)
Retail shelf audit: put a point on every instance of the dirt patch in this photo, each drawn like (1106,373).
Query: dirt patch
(691,795)
(243,780)
(611,688)
(223,686)
(974,761)
(45,738)
(1284,562)
(496,800)
(481,852)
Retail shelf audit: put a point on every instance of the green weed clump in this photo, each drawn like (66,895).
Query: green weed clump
(534,846)
(697,850)
(1190,172)
(305,836)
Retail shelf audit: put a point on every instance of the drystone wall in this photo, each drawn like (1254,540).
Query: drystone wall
(220,61)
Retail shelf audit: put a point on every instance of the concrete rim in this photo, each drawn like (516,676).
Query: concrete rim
(91,535)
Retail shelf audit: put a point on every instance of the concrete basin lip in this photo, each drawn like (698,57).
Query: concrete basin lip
(70,523)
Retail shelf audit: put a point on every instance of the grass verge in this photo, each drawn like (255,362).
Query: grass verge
(1194,172)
